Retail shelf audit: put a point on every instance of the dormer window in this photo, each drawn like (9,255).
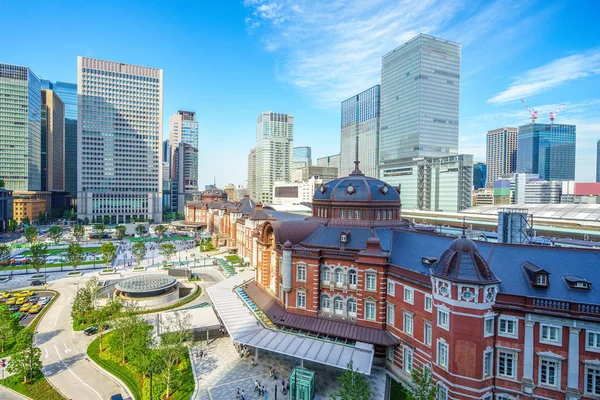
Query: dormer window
(541,280)
(429,260)
(577,282)
(344,237)
(538,277)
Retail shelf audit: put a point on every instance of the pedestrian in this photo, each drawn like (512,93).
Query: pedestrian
(237,395)
(256,385)
(287,387)
(252,362)
(265,395)
(243,395)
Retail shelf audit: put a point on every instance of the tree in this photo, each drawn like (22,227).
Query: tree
(4,252)
(106,220)
(9,326)
(12,225)
(167,250)
(177,329)
(160,230)
(354,386)
(120,231)
(99,230)
(74,255)
(27,361)
(104,314)
(423,385)
(56,233)
(1,183)
(85,301)
(26,221)
(42,218)
(39,252)
(78,232)
(109,253)
(139,252)
(140,230)
(86,221)
(124,326)
(31,234)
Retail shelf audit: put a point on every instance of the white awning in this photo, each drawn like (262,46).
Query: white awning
(244,328)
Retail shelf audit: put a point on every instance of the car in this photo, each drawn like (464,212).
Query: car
(5,295)
(92,330)
(35,309)
(116,397)
(36,282)
(21,301)
(13,308)
(25,307)
(11,301)
(33,299)
(43,300)
(24,293)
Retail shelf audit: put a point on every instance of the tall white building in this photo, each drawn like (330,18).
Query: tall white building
(183,127)
(274,153)
(500,154)
(120,131)
(360,117)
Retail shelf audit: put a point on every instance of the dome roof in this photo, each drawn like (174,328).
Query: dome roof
(463,263)
(146,283)
(356,187)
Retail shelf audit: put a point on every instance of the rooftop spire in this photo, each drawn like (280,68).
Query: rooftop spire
(357,170)
(464,228)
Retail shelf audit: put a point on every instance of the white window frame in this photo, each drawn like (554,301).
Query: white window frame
(488,326)
(352,276)
(336,275)
(557,371)
(391,287)
(326,273)
(488,369)
(368,281)
(408,359)
(428,303)
(508,319)
(541,279)
(328,308)
(515,364)
(374,316)
(300,294)
(340,300)
(442,353)
(442,391)
(300,267)
(596,341)
(408,323)
(391,314)
(352,313)
(547,329)
(427,333)
(389,354)
(595,370)
(440,320)
(409,295)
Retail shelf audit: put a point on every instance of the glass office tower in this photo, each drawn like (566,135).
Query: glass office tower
(598,161)
(302,157)
(420,87)
(68,94)
(53,142)
(360,117)
(547,150)
(20,128)
(120,132)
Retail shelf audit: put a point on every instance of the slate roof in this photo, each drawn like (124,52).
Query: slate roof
(506,262)
(366,189)
(293,230)
(324,326)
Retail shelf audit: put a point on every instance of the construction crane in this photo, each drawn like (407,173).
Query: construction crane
(553,114)
(533,113)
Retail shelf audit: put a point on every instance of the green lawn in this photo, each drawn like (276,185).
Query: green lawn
(39,389)
(20,267)
(234,259)
(55,252)
(169,239)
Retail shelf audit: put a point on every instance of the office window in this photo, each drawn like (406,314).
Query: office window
(488,363)
(507,327)
(352,277)
(391,317)
(370,284)
(326,274)
(351,304)
(301,299)
(550,334)
(428,303)
(443,319)
(370,310)
(409,295)
(442,353)
(301,273)
(407,359)
(507,364)
(488,326)
(592,380)
(549,372)
(427,334)
(391,288)
(408,323)
(442,392)
(593,341)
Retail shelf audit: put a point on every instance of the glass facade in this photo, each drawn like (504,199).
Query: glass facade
(20,128)
(547,150)
(360,117)
(420,87)
(598,161)
(302,157)
(501,153)
(479,175)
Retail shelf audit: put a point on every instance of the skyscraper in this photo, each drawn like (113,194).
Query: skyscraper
(598,161)
(251,172)
(274,154)
(68,94)
(360,117)
(302,157)
(53,141)
(479,175)
(185,165)
(20,128)
(500,153)
(420,87)
(183,128)
(120,127)
(547,150)
(329,161)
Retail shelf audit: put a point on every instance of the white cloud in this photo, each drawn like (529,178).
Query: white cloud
(553,74)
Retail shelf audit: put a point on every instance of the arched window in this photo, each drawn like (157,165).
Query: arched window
(325,303)
(326,274)
(378,215)
(357,214)
(349,214)
(338,304)
(351,306)
(352,277)
(342,214)
(339,277)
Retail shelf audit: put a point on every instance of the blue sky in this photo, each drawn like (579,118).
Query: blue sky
(230,60)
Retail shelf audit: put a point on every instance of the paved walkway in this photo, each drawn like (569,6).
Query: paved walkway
(222,371)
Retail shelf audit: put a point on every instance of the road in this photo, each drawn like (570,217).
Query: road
(64,358)
(6,394)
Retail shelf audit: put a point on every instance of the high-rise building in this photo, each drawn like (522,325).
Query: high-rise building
(598,161)
(251,172)
(330,161)
(304,174)
(274,153)
(183,128)
(547,150)
(185,165)
(20,128)
(479,175)
(53,141)
(420,87)
(166,151)
(120,127)
(68,94)
(302,157)
(360,117)
(500,154)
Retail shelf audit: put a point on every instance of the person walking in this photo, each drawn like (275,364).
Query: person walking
(256,385)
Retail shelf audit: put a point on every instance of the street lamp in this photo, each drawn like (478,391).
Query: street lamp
(150,383)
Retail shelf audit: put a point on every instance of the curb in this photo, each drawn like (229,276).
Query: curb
(111,376)
(17,393)
(196,388)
